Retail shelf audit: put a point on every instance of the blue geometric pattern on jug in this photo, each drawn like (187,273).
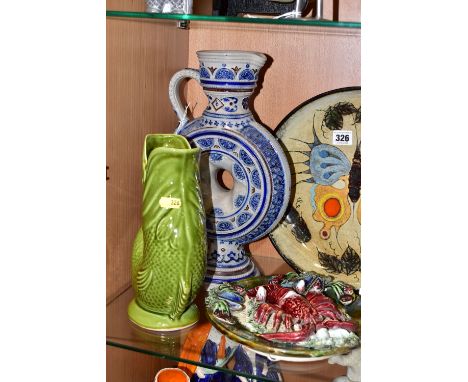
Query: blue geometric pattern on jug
(225,144)
(232,104)
(243,218)
(256,179)
(205,142)
(249,153)
(243,75)
(278,180)
(238,172)
(215,157)
(218,211)
(204,73)
(226,257)
(224,74)
(245,158)
(247,74)
(239,200)
(225,226)
(254,200)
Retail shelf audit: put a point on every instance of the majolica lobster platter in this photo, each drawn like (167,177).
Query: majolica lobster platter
(293,316)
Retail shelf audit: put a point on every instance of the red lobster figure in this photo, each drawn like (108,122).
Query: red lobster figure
(301,315)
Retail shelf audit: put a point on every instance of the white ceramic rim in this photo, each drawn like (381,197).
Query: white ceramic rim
(243,56)
(276,358)
(172,368)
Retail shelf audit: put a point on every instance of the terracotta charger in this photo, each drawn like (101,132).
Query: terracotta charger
(171,375)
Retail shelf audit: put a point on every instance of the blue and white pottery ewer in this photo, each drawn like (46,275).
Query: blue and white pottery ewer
(231,140)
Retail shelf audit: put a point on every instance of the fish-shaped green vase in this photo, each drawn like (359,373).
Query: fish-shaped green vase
(169,252)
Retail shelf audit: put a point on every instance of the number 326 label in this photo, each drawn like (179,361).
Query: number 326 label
(342,137)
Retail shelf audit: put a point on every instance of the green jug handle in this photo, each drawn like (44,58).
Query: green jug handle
(174,92)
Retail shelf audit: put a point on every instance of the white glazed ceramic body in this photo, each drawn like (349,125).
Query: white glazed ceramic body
(353,363)
(231,140)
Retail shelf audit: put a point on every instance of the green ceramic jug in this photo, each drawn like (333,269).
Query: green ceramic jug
(169,252)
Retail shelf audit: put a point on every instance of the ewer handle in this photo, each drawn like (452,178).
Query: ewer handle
(174,92)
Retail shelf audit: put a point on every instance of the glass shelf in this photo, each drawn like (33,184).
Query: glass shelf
(178,346)
(230,19)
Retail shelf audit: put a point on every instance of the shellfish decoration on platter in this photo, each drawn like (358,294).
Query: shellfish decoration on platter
(321,230)
(295,317)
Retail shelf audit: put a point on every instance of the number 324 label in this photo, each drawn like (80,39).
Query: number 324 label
(342,137)
(166,202)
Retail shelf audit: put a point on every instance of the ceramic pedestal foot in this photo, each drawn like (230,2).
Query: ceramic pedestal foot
(353,362)
(228,262)
(159,322)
